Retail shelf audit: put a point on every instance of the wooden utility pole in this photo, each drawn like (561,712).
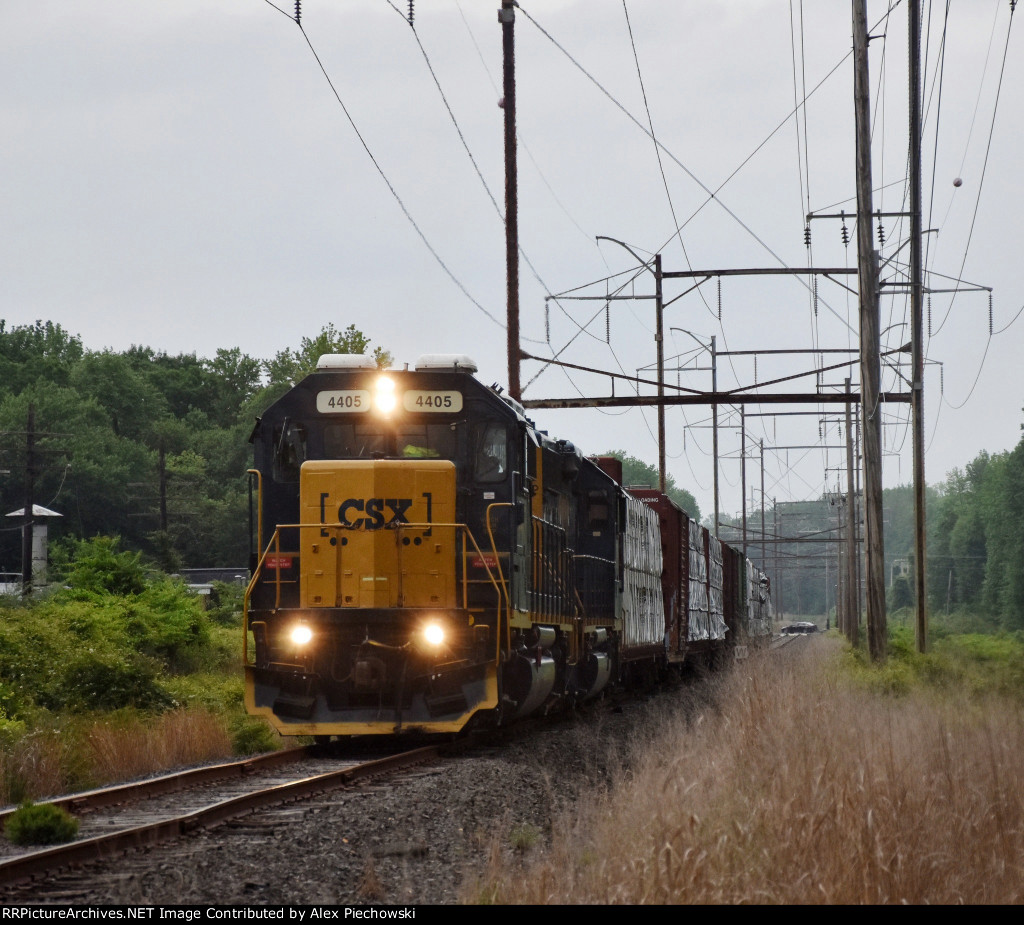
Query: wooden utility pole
(916,335)
(162,476)
(777,588)
(714,424)
(30,501)
(852,591)
(842,599)
(659,336)
(870,362)
(764,565)
(507,16)
(743,474)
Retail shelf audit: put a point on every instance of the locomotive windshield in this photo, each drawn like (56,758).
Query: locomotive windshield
(491,453)
(375,440)
(289,450)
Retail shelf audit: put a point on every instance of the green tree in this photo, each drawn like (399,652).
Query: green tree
(636,472)
(34,353)
(132,401)
(84,471)
(234,378)
(291,365)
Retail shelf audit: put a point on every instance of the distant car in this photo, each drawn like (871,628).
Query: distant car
(799,628)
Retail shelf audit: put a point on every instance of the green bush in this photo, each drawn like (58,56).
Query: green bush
(93,683)
(99,565)
(225,606)
(42,824)
(251,736)
(167,620)
(11,729)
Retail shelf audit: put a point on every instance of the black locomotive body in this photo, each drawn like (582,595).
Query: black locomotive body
(427,559)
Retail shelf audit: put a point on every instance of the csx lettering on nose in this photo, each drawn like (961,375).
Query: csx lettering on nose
(380,512)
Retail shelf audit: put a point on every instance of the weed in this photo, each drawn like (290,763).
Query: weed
(42,824)
(251,735)
(524,836)
(370,887)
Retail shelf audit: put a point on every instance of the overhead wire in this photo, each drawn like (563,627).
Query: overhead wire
(394,193)
(711,195)
(466,148)
(661,169)
(984,170)
(519,138)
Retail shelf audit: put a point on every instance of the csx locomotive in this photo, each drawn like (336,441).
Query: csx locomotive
(426,560)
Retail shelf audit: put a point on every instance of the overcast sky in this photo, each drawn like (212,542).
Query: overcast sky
(195,175)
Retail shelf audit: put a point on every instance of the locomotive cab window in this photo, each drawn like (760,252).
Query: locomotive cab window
(491,458)
(354,441)
(289,450)
(374,441)
(426,441)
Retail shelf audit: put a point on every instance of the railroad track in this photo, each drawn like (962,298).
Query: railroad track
(115,820)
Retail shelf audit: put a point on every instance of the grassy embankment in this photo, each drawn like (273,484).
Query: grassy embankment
(818,779)
(814,779)
(100,683)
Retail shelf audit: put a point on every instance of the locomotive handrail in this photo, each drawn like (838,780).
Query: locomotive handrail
(275,543)
(259,501)
(275,540)
(469,533)
(550,588)
(501,575)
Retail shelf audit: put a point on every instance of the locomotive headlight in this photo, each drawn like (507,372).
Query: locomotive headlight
(301,635)
(434,635)
(384,399)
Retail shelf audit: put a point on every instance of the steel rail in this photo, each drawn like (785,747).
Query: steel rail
(33,864)
(168,783)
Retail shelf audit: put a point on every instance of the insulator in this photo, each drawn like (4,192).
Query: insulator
(942,380)
(547,321)
(821,434)
(845,231)
(410,12)
(929,315)
(298,12)
(815,290)
(881,233)
(807,235)
(990,314)
(755,369)
(719,298)
(607,322)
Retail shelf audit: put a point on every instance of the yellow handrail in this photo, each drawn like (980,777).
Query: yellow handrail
(275,542)
(504,585)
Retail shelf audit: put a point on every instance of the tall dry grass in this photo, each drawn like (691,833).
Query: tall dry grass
(799,789)
(181,737)
(84,754)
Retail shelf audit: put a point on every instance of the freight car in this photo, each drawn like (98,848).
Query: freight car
(425,559)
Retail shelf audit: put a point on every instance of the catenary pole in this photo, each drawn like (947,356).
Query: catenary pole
(870,363)
(506,16)
(916,342)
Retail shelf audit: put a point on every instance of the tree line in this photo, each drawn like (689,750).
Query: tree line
(139,444)
(975,547)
